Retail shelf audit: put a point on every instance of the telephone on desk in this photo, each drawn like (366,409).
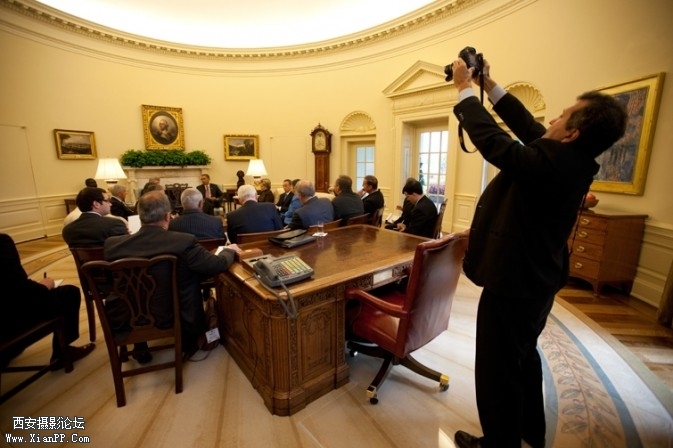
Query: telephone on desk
(277,271)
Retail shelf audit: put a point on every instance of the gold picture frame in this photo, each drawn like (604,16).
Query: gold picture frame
(75,145)
(241,147)
(624,166)
(163,127)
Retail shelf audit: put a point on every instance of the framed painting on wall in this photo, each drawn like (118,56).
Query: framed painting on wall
(75,145)
(241,147)
(624,165)
(163,127)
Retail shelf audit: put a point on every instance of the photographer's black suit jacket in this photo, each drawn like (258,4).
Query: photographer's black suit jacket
(524,217)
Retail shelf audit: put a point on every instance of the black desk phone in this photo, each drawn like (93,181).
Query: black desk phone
(277,271)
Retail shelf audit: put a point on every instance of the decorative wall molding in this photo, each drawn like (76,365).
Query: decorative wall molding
(358,123)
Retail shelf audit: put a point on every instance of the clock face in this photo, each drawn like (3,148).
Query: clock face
(320,142)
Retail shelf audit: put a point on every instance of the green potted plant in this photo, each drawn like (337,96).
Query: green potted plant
(137,158)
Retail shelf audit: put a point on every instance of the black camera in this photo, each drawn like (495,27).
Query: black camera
(471,58)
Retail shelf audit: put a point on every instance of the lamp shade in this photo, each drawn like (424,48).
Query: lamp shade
(256,168)
(110,170)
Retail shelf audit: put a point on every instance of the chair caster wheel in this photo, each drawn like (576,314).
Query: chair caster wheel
(373,400)
(443,387)
(352,353)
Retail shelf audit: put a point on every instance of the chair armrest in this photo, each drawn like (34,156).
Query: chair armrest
(380,304)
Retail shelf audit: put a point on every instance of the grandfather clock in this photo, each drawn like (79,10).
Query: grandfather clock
(321,145)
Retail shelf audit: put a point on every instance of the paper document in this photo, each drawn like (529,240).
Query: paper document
(134,223)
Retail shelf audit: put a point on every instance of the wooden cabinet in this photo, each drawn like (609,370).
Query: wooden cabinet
(605,248)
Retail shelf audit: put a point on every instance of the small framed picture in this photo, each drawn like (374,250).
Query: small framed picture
(241,147)
(75,145)
(163,127)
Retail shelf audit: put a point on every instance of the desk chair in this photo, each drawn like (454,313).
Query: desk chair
(395,320)
(437,232)
(326,227)
(19,342)
(81,256)
(359,219)
(134,282)
(243,238)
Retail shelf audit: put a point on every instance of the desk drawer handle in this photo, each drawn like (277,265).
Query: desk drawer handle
(578,265)
(585,221)
(580,249)
(582,234)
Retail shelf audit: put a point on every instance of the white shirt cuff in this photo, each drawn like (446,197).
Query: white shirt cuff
(496,94)
(466,93)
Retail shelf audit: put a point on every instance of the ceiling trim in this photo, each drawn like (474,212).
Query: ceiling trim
(411,22)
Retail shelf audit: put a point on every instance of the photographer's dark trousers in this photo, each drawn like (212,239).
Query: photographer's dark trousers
(508,373)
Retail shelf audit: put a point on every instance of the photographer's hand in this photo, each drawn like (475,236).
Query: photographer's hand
(462,76)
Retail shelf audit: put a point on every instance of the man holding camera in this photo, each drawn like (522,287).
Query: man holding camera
(518,247)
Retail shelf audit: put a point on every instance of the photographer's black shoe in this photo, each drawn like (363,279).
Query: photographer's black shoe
(465,440)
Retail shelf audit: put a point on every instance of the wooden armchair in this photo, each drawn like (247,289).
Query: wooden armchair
(326,227)
(437,232)
(393,321)
(17,343)
(243,238)
(81,256)
(146,291)
(360,219)
(376,218)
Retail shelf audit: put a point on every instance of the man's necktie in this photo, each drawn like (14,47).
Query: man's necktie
(207,191)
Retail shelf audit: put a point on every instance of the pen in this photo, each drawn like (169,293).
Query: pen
(45,274)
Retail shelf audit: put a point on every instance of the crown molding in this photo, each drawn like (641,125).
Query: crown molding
(416,20)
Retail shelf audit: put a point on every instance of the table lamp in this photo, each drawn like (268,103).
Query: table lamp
(110,170)
(256,169)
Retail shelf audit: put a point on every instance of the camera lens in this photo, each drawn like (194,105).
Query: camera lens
(448,71)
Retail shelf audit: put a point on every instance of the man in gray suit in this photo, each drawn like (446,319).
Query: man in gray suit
(252,216)
(194,262)
(193,220)
(91,228)
(313,210)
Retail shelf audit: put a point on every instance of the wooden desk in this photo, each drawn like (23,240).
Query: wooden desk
(292,362)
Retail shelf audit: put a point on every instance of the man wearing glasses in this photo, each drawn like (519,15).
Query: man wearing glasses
(93,227)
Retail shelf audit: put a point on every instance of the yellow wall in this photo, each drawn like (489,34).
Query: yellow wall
(56,79)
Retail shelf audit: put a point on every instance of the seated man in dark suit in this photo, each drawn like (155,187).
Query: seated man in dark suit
(424,214)
(372,197)
(285,197)
(118,205)
(313,210)
(194,263)
(251,216)
(193,220)
(92,228)
(27,302)
(346,202)
(212,194)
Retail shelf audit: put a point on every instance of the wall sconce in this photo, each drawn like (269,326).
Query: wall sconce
(110,170)
(256,169)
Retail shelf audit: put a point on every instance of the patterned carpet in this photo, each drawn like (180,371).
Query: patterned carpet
(594,397)
(597,393)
